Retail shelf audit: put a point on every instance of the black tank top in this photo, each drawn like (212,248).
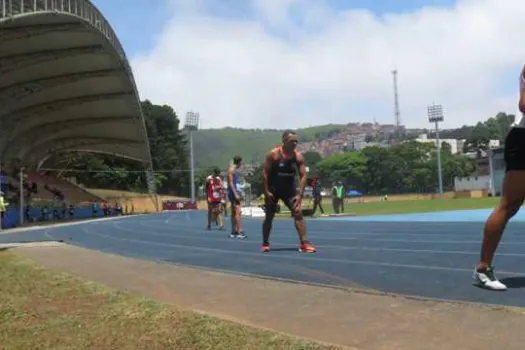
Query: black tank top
(284,171)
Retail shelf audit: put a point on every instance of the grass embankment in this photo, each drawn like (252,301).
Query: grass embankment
(41,309)
(117,194)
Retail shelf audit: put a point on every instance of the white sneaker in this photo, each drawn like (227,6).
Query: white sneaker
(488,279)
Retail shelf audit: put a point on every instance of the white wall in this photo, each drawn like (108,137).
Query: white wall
(455,145)
(472,183)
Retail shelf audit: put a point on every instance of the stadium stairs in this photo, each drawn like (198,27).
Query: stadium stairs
(50,186)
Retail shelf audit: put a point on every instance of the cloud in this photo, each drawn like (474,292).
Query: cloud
(294,63)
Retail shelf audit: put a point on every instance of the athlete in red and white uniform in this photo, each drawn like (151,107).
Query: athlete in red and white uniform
(215,194)
(223,203)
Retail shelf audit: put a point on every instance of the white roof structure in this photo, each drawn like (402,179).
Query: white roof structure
(65,84)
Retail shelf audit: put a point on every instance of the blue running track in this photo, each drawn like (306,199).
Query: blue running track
(429,255)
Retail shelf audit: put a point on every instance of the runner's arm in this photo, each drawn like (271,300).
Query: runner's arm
(522,91)
(302,174)
(207,188)
(230,181)
(266,171)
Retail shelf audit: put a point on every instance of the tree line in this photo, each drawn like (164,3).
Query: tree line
(169,151)
(406,167)
(409,167)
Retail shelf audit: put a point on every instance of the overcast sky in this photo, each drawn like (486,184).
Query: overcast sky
(296,63)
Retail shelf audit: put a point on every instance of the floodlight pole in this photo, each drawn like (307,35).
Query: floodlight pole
(22,211)
(490,154)
(435,115)
(438,150)
(192,124)
(192,167)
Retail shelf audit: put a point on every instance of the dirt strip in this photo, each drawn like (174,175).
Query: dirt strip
(358,320)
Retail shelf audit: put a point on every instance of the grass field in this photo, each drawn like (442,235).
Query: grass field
(117,194)
(40,309)
(410,206)
(418,206)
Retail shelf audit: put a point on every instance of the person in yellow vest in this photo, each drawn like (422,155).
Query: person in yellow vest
(338,196)
(2,209)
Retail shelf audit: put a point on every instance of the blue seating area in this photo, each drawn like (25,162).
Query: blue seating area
(12,215)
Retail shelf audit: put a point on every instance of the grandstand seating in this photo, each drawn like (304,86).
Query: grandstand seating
(11,186)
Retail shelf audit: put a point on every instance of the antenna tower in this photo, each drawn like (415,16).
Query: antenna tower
(396,104)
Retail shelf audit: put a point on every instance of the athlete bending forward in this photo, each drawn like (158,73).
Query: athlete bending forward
(281,167)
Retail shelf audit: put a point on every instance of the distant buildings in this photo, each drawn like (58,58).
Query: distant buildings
(489,174)
(456,146)
(355,136)
(489,164)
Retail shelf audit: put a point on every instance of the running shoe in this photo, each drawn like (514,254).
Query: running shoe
(487,279)
(307,247)
(239,235)
(265,247)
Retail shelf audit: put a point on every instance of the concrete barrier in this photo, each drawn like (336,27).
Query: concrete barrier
(179,205)
(254,212)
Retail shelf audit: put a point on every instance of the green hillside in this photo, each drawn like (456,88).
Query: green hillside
(218,146)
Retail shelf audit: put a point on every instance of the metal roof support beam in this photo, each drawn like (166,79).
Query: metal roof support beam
(11,63)
(16,33)
(15,116)
(35,152)
(24,89)
(23,136)
(77,134)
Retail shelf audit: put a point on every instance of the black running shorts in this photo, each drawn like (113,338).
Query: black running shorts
(285,195)
(514,152)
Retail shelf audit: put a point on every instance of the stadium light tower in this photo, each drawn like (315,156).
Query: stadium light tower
(191,123)
(435,115)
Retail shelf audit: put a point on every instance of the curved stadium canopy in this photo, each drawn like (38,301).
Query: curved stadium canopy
(65,84)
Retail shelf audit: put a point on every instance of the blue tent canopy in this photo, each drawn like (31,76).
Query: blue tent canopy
(353,193)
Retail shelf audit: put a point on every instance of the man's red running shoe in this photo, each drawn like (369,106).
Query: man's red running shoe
(265,247)
(307,247)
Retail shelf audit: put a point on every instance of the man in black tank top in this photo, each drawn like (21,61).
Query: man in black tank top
(281,167)
(282,177)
